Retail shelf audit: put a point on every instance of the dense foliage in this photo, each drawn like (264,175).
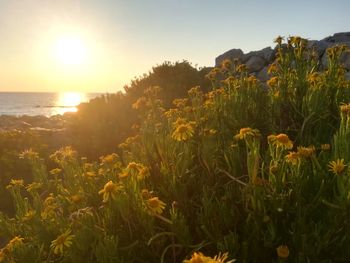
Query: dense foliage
(246,171)
(103,123)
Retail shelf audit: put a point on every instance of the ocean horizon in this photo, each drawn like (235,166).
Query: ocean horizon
(42,103)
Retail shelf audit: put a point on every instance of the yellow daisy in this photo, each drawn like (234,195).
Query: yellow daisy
(282,251)
(155,206)
(62,241)
(183,132)
(337,167)
(110,191)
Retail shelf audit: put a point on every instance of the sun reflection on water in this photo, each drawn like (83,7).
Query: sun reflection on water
(68,102)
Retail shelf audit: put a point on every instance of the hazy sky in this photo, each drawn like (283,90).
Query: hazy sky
(124,39)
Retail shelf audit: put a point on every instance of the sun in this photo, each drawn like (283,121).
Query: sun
(70,50)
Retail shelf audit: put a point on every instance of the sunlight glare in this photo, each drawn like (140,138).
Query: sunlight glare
(68,102)
(70,50)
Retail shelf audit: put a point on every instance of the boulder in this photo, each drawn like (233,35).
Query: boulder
(267,54)
(347,76)
(320,46)
(338,37)
(262,75)
(231,55)
(255,63)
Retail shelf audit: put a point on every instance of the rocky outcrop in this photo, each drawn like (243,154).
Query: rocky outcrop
(258,61)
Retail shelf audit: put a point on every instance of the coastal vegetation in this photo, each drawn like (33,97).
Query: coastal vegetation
(175,171)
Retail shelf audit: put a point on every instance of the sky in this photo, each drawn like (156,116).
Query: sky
(101,45)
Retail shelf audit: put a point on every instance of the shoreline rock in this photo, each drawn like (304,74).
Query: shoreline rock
(258,61)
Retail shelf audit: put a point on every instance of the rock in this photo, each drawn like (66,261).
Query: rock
(347,76)
(320,46)
(263,75)
(255,63)
(338,37)
(265,53)
(231,55)
(341,37)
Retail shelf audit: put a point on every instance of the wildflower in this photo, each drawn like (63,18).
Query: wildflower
(146,194)
(194,91)
(141,103)
(292,158)
(272,82)
(109,159)
(16,241)
(143,173)
(172,113)
(29,215)
(64,154)
(55,171)
(337,167)
(325,147)
(242,68)
(272,68)
(282,251)
(155,206)
(252,80)
(62,241)
(110,190)
(183,132)
(345,108)
(29,155)
(212,74)
(76,198)
(15,182)
(90,174)
(180,103)
(282,140)
(226,64)
(198,257)
(245,132)
(131,170)
(306,152)
(314,78)
(278,40)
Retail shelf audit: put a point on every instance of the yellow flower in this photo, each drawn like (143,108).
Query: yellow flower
(109,159)
(110,191)
(345,109)
(16,241)
(141,103)
(245,132)
(325,147)
(198,257)
(155,206)
(226,64)
(292,158)
(62,241)
(29,155)
(18,183)
(278,40)
(242,68)
(306,152)
(282,251)
(281,140)
(252,80)
(55,171)
(29,215)
(337,167)
(180,103)
(272,82)
(272,68)
(183,132)
(132,169)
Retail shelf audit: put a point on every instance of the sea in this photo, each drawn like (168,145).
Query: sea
(42,103)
